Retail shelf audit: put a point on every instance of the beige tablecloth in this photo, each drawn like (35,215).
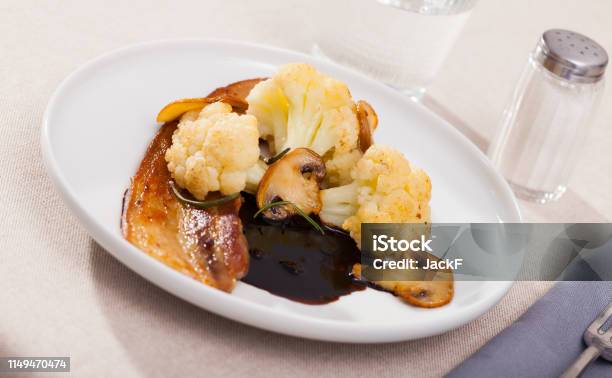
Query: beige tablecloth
(62,295)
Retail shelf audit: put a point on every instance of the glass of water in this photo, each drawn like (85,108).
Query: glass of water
(400,42)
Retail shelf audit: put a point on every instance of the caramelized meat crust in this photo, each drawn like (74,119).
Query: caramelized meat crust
(206,244)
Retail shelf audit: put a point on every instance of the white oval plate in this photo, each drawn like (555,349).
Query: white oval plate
(102,117)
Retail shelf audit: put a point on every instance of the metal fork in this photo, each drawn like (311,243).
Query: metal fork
(598,338)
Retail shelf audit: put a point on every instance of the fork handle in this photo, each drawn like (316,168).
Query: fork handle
(585,358)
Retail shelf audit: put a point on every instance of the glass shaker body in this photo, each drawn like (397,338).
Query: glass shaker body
(543,130)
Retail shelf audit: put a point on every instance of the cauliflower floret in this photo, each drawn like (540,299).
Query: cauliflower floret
(301,107)
(386,189)
(339,167)
(254,176)
(213,150)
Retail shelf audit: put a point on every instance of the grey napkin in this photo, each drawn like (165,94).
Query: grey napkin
(546,339)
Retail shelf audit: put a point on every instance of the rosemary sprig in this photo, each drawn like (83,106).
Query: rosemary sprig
(202,204)
(279,156)
(301,212)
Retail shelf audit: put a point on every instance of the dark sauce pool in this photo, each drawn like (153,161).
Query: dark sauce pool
(295,261)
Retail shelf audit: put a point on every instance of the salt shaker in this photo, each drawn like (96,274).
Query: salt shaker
(544,128)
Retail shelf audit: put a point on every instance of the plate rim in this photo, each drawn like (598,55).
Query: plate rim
(220,302)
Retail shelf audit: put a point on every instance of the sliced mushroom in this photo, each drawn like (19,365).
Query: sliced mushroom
(437,290)
(368,121)
(428,294)
(175,109)
(239,89)
(294,178)
(233,94)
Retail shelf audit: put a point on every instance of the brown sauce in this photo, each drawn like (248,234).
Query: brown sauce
(297,262)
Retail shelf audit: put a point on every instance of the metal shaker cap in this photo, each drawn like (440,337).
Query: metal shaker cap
(571,55)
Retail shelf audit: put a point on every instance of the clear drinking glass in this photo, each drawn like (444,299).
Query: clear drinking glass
(544,128)
(400,42)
